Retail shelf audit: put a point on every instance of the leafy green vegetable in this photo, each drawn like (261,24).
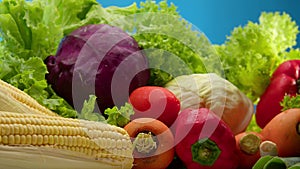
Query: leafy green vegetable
(251,53)
(119,116)
(32,30)
(293,54)
(289,102)
(88,108)
(173,45)
(27,29)
(115,116)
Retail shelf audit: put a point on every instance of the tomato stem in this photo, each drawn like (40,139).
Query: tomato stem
(144,143)
(250,143)
(205,152)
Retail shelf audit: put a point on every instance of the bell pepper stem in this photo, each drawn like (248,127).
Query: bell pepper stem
(205,152)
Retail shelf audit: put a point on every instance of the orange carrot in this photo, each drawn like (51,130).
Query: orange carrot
(153,143)
(247,144)
(284,131)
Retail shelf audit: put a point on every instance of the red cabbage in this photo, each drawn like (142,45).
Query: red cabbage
(97,59)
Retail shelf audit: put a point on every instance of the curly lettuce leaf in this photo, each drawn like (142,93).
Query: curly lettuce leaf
(35,28)
(282,28)
(290,102)
(87,111)
(292,54)
(183,49)
(26,30)
(5,68)
(251,53)
(115,116)
(119,116)
(173,46)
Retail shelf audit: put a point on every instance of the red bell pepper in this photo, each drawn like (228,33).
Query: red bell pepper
(204,141)
(284,81)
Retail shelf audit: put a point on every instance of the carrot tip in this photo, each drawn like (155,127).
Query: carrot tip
(268,148)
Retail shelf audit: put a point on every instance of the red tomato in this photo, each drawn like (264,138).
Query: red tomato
(155,102)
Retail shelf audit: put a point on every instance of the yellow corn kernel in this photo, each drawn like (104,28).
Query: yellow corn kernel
(51,140)
(15,100)
(23,139)
(28,139)
(94,139)
(11,139)
(34,139)
(5,139)
(17,139)
(40,139)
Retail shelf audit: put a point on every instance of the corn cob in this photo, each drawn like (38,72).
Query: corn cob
(15,100)
(101,143)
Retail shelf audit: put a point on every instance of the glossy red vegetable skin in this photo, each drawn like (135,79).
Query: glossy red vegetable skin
(199,126)
(284,81)
(155,102)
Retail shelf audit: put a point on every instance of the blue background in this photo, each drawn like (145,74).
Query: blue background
(217,18)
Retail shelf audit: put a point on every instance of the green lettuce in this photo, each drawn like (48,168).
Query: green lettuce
(173,46)
(119,116)
(290,102)
(293,54)
(251,53)
(87,111)
(31,31)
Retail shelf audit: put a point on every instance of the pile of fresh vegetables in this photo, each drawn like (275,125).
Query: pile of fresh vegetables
(185,102)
